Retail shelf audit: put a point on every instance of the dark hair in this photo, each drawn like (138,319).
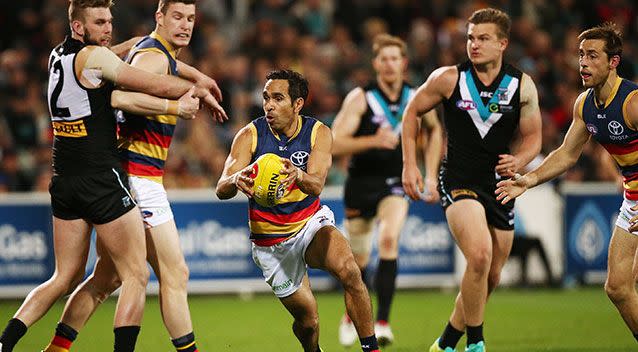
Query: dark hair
(77,6)
(163,4)
(607,32)
(491,15)
(297,84)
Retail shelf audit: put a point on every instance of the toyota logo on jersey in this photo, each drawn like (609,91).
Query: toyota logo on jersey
(615,128)
(300,158)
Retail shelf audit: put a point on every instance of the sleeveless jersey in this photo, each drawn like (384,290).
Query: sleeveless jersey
(269,226)
(480,122)
(607,124)
(144,140)
(84,126)
(381,112)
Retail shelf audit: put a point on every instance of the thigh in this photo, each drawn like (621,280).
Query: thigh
(466,218)
(152,201)
(123,240)
(105,197)
(621,267)
(71,240)
(328,250)
(164,251)
(391,215)
(501,246)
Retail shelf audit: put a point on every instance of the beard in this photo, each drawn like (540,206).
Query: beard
(89,40)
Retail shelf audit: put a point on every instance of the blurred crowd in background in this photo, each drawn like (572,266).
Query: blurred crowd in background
(238,41)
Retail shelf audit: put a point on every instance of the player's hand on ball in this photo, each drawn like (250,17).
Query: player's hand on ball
(290,172)
(243,181)
(431,193)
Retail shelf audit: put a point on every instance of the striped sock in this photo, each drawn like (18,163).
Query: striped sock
(63,339)
(185,343)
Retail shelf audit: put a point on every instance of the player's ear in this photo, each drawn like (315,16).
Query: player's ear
(614,61)
(77,27)
(159,18)
(298,105)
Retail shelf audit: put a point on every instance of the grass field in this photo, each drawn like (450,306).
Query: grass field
(517,320)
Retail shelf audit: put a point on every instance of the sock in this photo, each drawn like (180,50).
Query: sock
(450,337)
(369,344)
(385,284)
(12,333)
(63,339)
(185,343)
(125,338)
(474,334)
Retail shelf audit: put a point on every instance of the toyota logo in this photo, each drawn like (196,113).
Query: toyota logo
(299,158)
(615,128)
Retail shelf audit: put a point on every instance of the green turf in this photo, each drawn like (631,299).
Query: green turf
(575,320)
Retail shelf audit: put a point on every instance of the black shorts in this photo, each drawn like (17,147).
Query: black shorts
(363,194)
(98,198)
(501,216)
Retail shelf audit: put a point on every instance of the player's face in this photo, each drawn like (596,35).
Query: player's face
(178,23)
(594,62)
(483,43)
(279,108)
(390,64)
(97,27)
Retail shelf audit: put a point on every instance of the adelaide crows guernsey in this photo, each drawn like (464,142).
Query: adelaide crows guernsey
(144,140)
(381,112)
(606,122)
(84,126)
(480,122)
(269,226)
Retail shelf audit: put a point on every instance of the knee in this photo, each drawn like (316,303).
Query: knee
(104,286)
(617,291)
(388,244)
(307,325)
(347,272)
(479,260)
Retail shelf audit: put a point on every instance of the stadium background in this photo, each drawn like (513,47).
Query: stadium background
(237,42)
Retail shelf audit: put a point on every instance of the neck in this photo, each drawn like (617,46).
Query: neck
(603,91)
(77,36)
(290,130)
(170,46)
(488,71)
(391,89)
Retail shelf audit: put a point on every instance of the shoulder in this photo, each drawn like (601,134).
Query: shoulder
(528,88)
(579,103)
(355,96)
(447,75)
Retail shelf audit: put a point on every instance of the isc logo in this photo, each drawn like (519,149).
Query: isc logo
(465,105)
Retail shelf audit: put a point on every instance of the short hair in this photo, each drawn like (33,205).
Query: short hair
(607,32)
(297,84)
(76,7)
(384,40)
(491,15)
(162,6)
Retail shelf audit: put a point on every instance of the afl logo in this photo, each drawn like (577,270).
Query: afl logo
(465,105)
(592,128)
(300,158)
(615,128)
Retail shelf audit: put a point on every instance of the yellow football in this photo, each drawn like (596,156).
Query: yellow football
(267,186)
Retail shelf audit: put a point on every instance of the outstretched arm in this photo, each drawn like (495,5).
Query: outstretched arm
(194,75)
(530,130)
(236,169)
(123,48)
(554,164)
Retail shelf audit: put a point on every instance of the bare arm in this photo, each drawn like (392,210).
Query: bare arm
(428,95)
(432,154)
(144,104)
(554,164)
(312,181)
(194,75)
(347,122)
(530,131)
(236,169)
(123,48)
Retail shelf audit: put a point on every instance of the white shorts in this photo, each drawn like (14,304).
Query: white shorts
(152,200)
(284,264)
(625,214)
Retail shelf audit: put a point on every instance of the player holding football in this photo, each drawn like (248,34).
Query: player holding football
(298,231)
(608,111)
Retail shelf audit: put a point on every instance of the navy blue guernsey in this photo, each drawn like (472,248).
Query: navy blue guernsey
(381,112)
(480,122)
